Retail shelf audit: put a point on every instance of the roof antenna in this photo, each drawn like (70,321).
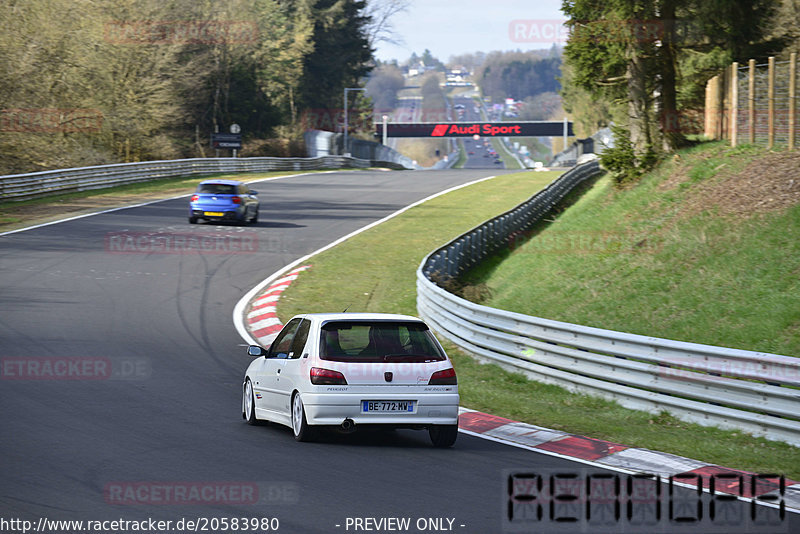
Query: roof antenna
(347,308)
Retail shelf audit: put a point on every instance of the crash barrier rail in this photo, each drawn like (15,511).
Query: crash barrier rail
(736,389)
(324,143)
(451,159)
(38,184)
(595,144)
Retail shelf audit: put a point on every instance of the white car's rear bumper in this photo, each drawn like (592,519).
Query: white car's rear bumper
(333,409)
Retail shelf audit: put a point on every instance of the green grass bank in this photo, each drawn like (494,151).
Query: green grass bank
(706,249)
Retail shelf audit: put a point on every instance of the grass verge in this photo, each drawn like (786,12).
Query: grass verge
(462,155)
(379,268)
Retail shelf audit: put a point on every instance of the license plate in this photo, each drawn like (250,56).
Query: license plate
(213,213)
(387,406)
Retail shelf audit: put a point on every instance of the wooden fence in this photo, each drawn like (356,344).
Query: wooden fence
(754,104)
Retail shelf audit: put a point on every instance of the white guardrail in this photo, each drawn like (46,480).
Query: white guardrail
(735,389)
(37,184)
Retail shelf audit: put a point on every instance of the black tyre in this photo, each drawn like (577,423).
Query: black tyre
(443,435)
(192,220)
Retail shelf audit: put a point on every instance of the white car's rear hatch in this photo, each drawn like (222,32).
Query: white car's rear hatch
(385,353)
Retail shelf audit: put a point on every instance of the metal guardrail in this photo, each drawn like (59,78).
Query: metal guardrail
(752,391)
(38,184)
(324,143)
(574,154)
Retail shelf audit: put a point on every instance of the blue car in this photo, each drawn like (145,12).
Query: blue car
(223,200)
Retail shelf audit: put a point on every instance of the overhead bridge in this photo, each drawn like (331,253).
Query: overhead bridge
(472,129)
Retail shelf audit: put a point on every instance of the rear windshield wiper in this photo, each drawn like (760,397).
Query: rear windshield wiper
(412,357)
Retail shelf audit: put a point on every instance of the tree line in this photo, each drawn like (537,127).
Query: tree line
(643,65)
(99,81)
(519,75)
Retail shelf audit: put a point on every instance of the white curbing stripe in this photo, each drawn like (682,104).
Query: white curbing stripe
(270,321)
(274,289)
(792,496)
(265,310)
(267,301)
(525,434)
(651,462)
(263,314)
(286,279)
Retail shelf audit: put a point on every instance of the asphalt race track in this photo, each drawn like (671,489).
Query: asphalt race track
(163,320)
(120,387)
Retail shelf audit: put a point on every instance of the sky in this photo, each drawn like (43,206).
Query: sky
(452,27)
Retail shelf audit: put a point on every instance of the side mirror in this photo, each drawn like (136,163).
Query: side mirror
(253,192)
(255,351)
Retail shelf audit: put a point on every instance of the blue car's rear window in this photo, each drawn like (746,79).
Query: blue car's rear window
(217,189)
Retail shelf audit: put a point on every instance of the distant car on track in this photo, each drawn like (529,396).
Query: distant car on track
(224,200)
(346,370)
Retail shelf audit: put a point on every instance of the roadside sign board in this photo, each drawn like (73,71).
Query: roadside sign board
(226,140)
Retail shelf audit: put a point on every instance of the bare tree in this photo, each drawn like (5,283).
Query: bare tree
(380,12)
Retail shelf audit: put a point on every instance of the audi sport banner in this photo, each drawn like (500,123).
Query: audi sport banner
(471,129)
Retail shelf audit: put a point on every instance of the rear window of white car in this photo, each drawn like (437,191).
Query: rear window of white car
(378,341)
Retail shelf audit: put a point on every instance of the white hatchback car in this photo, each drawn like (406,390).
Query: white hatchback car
(347,369)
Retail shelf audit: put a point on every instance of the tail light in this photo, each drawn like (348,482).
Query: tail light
(445,377)
(326,377)
(195,198)
(236,200)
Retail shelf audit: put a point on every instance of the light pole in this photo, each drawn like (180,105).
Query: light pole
(346,122)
